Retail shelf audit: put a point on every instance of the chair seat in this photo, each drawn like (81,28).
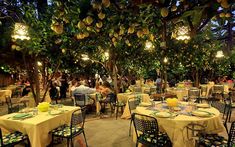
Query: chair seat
(64,131)
(209,140)
(150,140)
(13,138)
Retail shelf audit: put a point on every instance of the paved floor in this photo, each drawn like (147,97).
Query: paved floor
(105,132)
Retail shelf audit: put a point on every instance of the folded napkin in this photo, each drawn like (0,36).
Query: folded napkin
(22,115)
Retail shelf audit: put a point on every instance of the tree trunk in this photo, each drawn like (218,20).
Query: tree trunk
(197,78)
(164,48)
(37,82)
(114,75)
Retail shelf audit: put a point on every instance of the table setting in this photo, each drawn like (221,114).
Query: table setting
(174,115)
(38,121)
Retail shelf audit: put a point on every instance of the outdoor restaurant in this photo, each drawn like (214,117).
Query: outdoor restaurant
(117,73)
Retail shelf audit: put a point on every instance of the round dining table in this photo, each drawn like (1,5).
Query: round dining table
(175,124)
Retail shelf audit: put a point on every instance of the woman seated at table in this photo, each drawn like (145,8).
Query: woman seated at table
(104,89)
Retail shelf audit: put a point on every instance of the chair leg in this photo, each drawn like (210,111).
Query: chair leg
(52,140)
(68,142)
(71,141)
(130,128)
(117,112)
(28,142)
(137,143)
(85,138)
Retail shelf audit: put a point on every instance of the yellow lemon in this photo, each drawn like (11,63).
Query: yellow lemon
(151,37)
(81,25)
(113,39)
(89,20)
(59,29)
(88,28)
(96,6)
(18,48)
(173,35)
(110,34)
(164,12)
(145,31)
(99,24)
(101,15)
(63,50)
(86,34)
(131,30)
(115,35)
(106,3)
(121,32)
(228,15)
(173,8)
(222,14)
(139,34)
(224,4)
(13,46)
(97,30)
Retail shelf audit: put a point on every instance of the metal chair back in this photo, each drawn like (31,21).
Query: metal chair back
(231,135)
(137,89)
(194,131)
(145,125)
(204,90)
(194,93)
(133,103)
(80,99)
(218,88)
(78,117)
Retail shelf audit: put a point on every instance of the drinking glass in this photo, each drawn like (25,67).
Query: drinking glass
(163,97)
(185,98)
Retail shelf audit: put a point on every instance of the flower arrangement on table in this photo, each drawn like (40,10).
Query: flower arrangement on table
(43,107)
(172,102)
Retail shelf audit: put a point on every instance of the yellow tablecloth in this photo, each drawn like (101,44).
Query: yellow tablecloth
(175,127)
(4,93)
(38,127)
(123,97)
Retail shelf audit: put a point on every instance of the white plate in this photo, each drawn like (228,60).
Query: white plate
(55,112)
(201,113)
(163,114)
(143,104)
(203,105)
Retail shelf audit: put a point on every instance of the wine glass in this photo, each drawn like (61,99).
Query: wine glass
(185,98)
(193,99)
(163,95)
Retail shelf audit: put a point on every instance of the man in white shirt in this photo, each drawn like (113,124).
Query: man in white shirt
(82,89)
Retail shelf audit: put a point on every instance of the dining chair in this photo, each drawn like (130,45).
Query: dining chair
(83,100)
(209,140)
(194,130)
(109,100)
(13,138)
(153,90)
(132,103)
(229,104)
(217,91)
(194,93)
(75,128)
(203,93)
(117,105)
(147,131)
(14,107)
(137,89)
